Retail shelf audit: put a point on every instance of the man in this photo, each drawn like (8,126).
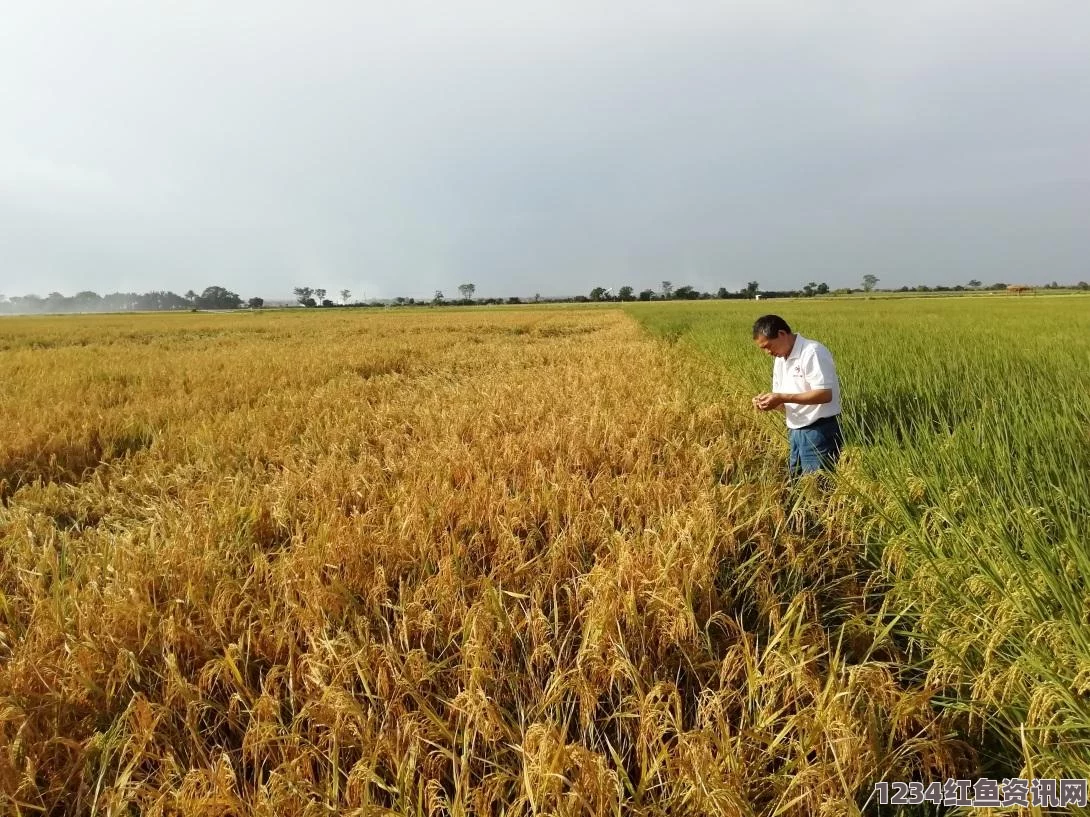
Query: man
(805,388)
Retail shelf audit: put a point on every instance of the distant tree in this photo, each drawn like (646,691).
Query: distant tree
(192,296)
(514,299)
(1083,285)
(328,302)
(686,293)
(598,293)
(155,301)
(302,295)
(124,301)
(256,303)
(537,297)
(345,295)
(667,289)
(319,296)
(822,289)
(625,293)
(751,289)
(310,302)
(218,298)
(722,293)
(438,299)
(810,289)
(400,300)
(869,281)
(55,302)
(31,302)
(467,291)
(974,284)
(647,294)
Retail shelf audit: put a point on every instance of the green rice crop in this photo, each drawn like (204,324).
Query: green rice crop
(968,455)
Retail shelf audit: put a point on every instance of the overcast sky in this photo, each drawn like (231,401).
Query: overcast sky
(396,148)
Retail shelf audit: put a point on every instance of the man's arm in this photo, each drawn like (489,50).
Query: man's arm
(774,401)
(814,397)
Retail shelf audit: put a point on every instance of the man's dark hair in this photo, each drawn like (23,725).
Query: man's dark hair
(770,326)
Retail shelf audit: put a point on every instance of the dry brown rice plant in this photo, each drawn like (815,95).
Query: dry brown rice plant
(431,563)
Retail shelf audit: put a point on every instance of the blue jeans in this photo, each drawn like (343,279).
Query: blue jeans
(815,447)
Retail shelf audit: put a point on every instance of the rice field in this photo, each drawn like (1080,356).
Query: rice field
(534,561)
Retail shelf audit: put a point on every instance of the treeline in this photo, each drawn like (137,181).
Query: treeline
(311,297)
(752,290)
(214,297)
(669,292)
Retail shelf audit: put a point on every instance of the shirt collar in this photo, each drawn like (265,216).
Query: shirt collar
(796,350)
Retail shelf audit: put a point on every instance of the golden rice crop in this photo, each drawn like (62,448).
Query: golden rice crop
(451,562)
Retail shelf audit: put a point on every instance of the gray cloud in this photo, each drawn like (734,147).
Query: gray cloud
(541,148)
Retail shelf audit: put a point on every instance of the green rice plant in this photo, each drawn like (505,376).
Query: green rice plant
(965,479)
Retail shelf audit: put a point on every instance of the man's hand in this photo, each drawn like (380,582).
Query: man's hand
(769,401)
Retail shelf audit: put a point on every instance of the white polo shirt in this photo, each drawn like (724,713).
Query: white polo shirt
(808,366)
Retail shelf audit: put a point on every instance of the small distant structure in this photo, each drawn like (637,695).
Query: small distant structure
(1018,289)
(756,296)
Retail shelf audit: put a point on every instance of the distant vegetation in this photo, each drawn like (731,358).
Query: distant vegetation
(217,297)
(214,297)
